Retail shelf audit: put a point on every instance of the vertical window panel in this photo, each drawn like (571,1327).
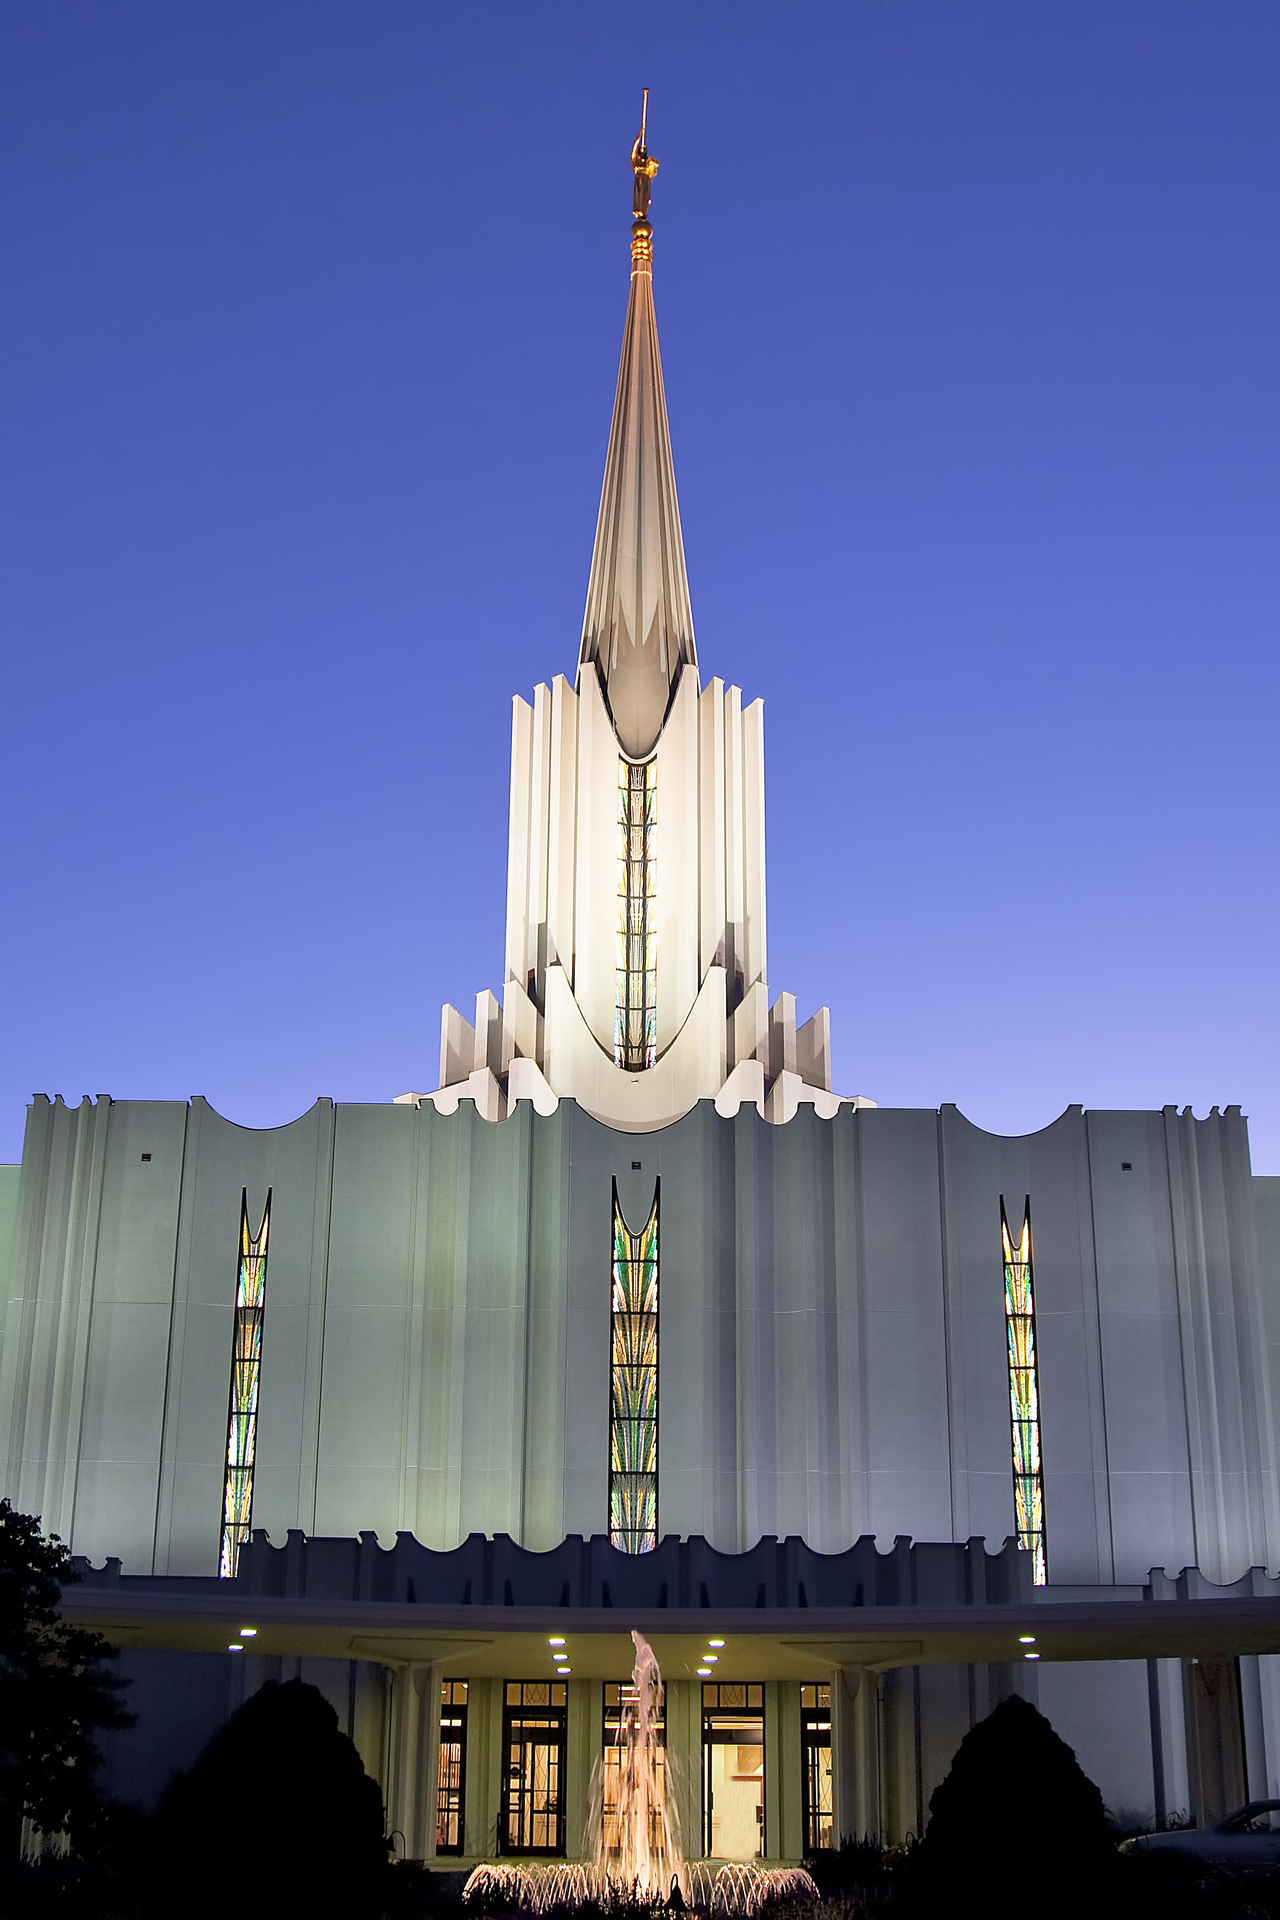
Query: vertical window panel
(246,1366)
(633,1396)
(451,1779)
(534,1732)
(816,1805)
(1024,1391)
(733,1781)
(635,1028)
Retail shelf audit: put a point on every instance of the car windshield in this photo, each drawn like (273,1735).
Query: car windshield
(1259,1819)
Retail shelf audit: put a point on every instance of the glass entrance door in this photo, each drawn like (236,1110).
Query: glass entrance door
(733,1770)
(450,1810)
(815,1767)
(534,1767)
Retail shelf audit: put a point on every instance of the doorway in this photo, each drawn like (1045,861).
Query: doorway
(815,1767)
(450,1809)
(533,1743)
(733,1770)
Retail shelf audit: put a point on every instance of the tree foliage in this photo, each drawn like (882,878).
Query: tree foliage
(55,1690)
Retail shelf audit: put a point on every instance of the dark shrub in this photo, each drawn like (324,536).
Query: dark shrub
(858,1867)
(1016,1822)
(277,1816)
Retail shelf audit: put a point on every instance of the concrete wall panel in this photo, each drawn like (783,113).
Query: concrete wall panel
(832,1345)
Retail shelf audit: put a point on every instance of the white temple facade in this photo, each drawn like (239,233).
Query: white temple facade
(864,1417)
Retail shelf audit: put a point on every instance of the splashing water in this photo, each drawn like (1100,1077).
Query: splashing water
(638,1847)
(645,1849)
(743,1888)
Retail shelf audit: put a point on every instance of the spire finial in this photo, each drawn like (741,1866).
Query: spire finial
(642,166)
(637,628)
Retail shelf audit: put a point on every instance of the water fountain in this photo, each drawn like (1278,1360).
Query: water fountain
(647,1856)
(638,1853)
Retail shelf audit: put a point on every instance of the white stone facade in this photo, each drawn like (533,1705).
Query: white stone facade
(553,1035)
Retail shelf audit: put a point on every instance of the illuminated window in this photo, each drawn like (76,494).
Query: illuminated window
(732,1770)
(1024,1391)
(533,1743)
(815,1766)
(633,1397)
(246,1364)
(450,1812)
(635,1027)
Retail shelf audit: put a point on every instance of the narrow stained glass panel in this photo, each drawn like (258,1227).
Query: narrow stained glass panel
(1024,1392)
(246,1365)
(633,1398)
(635,1027)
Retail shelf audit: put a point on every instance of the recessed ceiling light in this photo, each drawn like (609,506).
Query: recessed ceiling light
(563,1670)
(1031,1656)
(248,1633)
(235,1647)
(704,1670)
(712,1657)
(556,1640)
(1026,1639)
(715,1643)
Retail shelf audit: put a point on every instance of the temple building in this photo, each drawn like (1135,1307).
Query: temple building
(864,1417)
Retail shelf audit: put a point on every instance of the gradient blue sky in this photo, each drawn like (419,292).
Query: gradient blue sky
(308,339)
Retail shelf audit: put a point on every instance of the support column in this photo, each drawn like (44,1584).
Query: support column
(1269,1695)
(415,1757)
(1168,1741)
(784,1820)
(431,1771)
(1215,1737)
(855,1739)
(1253,1728)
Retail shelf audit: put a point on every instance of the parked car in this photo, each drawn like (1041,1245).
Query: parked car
(1248,1839)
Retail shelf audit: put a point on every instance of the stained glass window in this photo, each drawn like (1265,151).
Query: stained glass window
(1024,1392)
(633,1399)
(635,1027)
(246,1364)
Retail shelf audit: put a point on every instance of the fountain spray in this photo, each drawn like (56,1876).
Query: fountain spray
(647,1856)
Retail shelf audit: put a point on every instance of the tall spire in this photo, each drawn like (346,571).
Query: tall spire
(638,626)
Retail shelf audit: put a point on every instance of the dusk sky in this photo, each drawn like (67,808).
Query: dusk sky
(970,322)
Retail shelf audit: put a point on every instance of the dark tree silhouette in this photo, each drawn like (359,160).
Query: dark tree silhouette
(55,1691)
(277,1816)
(1016,1822)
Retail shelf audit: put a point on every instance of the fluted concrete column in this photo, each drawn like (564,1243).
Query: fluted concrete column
(415,1757)
(1268,1669)
(855,1734)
